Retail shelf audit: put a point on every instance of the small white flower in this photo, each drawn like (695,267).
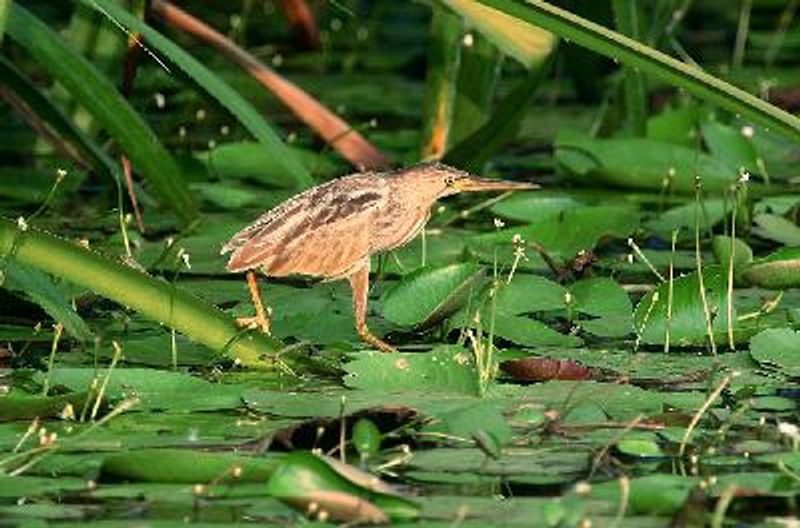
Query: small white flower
(468,40)
(161,100)
(499,224)
(200,114)
(22,224)
(748,131)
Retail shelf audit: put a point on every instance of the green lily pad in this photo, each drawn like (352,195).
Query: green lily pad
(777,348)
(431,294)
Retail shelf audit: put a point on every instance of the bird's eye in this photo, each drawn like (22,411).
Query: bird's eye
(449,180)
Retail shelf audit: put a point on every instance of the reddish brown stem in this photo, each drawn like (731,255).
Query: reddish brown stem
(301,19)
(333,129)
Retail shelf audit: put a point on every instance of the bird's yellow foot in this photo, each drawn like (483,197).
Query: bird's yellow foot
(370,339)
(255,322)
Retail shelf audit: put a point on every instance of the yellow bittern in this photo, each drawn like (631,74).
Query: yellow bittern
(331,230)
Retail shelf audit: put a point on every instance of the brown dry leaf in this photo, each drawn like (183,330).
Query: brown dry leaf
(543,369)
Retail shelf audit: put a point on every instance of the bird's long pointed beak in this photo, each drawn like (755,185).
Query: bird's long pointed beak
(475,184)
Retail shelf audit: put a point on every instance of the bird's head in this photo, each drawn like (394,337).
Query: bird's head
(439,180)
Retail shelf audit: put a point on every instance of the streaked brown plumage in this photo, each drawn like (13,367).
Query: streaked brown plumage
(331,230)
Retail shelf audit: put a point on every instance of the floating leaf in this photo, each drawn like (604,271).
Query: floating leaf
(777,348)
(185,466)
(544,369)
(16,407)
(778,271)
(343,493)
(688,323)
(777,228)
(641,164)
(445,369)
(431,293)
(674,125)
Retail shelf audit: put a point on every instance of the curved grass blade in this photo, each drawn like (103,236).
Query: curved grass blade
(97,94)
(17,82)
(154,298)
(333,129)
(636,55)
(221,91)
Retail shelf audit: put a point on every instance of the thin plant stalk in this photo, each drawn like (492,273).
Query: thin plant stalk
(700,280)
(670,291)
(731,259)
(58,329)
(742,30)
(627,16)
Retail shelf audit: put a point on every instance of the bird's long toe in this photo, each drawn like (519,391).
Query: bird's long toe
(374,341)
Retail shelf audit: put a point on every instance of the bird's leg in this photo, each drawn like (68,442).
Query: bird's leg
(260,318)
(359,282)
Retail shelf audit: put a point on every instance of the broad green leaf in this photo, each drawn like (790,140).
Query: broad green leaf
(726,248)
(778,271)
(659,494)
(650,61)
(527,43)
(473,423)
(777,348)
(777,228)
(157,389)
(526,331)
(250,160)
(4,9)
(445,369)
(211,83)
(431,294)
(562,236)
(346,494)
(641,164)
(101,98)
(687,325)
(40,288)
(675,125)
(640,448)
(731,146)
(529,294)
(704,215)
(186,466)
(532,207)
(600,297)
(17,407)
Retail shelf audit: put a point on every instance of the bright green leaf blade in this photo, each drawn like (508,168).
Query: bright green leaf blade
(366,437)
(184,466)
(100,97)
(529,294)
(777,228)
(527,43)
(600,297)
(636,55)
(224,94)
(431,294)
(731,146)
(153,297)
